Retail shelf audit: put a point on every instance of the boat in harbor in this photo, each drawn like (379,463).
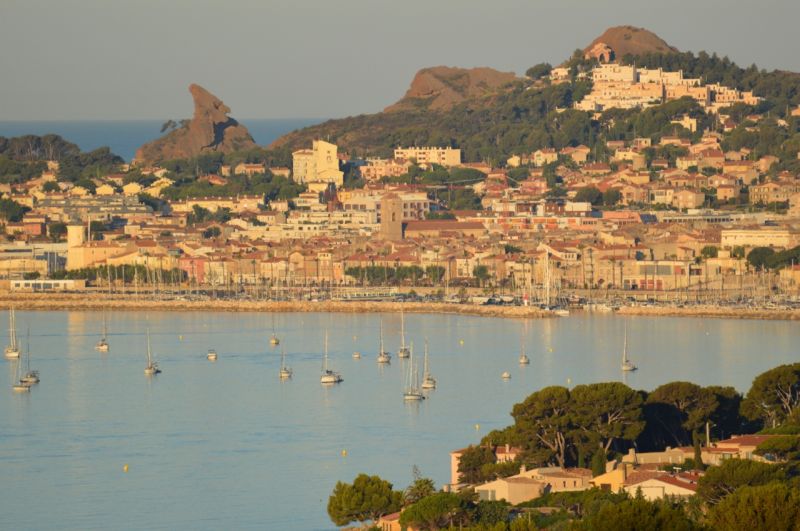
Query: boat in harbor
(274,341)
(506,375)
(383,356)
(102,345)
(212,355)
(404,352)
(328,377)
(356,355)
(12,349)
(412,391)
(285,372)
(428,381)
(152,366)
(31,376)
(523,358)
(627,365)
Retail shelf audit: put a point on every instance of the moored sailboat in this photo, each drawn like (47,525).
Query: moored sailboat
(12,349)
(404,351)
(152,366)
(428,381)
(627,365)
(328,377)
(383,356)
(412,391)
(102,345)
(31,376)
(285,372)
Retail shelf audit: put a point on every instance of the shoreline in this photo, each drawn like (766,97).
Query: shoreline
(54,302)
(98,302)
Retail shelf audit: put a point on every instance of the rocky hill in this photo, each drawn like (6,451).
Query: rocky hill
(628,40)
(210,129)
(441,87)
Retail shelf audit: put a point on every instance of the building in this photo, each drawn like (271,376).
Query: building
(320,164)
(430,155)
(762,237)
(391,217)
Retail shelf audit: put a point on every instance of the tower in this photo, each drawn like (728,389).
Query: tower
(76,237)
(391,217)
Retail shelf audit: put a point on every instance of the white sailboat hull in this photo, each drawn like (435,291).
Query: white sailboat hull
(11,353)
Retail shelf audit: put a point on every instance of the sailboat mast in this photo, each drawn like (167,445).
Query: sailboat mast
(402,330)
(149,355)
(425,362)
(381,352)
(625,346)
(325,359)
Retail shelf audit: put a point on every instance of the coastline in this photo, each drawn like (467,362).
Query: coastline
(61,301)
(76,301)
(714,312)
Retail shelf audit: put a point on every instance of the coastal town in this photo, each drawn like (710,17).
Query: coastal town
(664,216)
(562,297)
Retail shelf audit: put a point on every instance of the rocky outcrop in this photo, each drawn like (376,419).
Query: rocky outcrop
(442,87)
(209,130)
(622,40)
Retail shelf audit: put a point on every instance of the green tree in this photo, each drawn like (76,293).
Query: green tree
(611,197)
(589,194)
(681,408)
(598,463)
(774,395)
(368,498)
(543,424)
(539,71)
(481,272)
(435,273)
(758,257)
(605,413)
(212,232)
(781,448)
(720,481)
(490,513)
(440,510)
(472,461)
(57,230)
(775,506)
(420,488)
(637,514)
(50,186)
(709,251)
(12,211)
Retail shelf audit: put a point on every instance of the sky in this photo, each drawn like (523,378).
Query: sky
(134,59)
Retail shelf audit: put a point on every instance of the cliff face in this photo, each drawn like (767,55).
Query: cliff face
(210,129)
(624,40)
(442,87)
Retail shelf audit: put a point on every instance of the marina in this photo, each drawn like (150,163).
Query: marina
(266,453)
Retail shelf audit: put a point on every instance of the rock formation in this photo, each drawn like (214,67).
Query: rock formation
(209,130)
(442,87)
(622,40)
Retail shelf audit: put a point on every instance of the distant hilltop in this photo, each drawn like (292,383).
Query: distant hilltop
(441,87)
(209,130)
(620,41)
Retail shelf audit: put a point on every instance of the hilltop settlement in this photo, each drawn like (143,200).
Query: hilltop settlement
(631,168)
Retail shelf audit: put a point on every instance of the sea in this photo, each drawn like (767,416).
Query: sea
(228,445)
(124,137)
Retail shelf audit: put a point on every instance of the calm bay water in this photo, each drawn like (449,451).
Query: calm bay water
(124,137)
(227,445)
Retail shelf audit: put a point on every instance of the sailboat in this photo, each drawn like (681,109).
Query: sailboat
(328,376)
(20,386)
(31,377)
(274,341)
(285,372)
(627,365)
(523,358)
(383,356)
(152,366)
(102,345)
(12,350)
(428,381)
(403,352)
(412,392)
(212,355)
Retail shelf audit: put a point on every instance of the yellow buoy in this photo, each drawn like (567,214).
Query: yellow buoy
(180,337)
(477,427)
(344,453)
(461,342)
(125,467)
(550,349)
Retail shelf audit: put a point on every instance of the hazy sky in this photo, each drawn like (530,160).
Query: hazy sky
(122,59)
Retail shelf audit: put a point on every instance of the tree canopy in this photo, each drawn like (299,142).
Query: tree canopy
(367,498)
